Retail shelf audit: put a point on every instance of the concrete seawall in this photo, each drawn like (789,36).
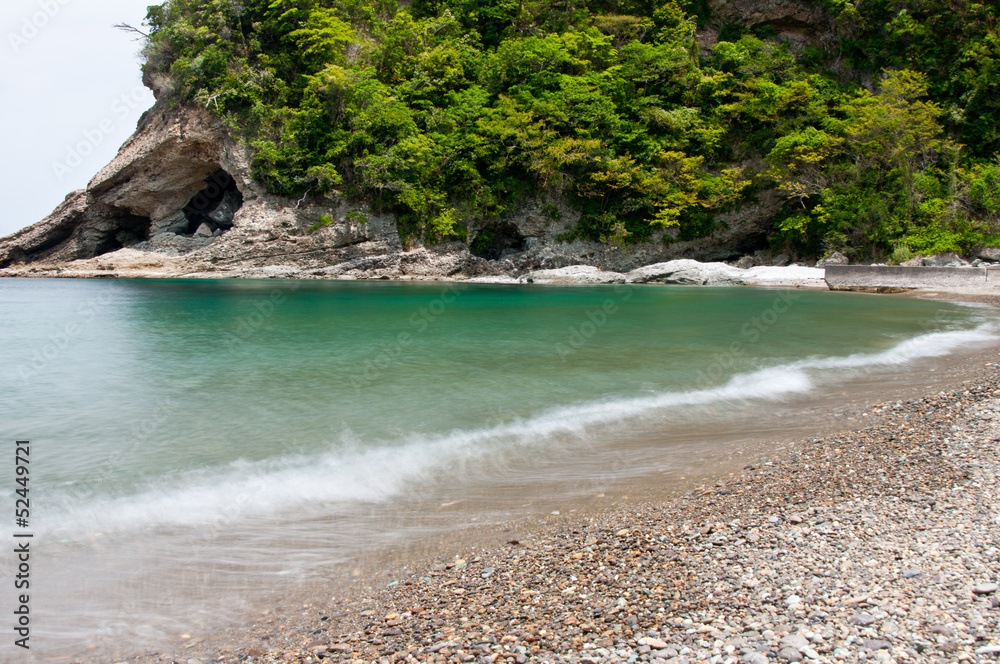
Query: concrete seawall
(852,277)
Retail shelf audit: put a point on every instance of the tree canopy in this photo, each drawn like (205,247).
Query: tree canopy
(447,111)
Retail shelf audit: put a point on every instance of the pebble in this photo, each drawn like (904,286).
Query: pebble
(717,576)
(796,641)
(790,654)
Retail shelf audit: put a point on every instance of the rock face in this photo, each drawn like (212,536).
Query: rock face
(179,199)
(798,23)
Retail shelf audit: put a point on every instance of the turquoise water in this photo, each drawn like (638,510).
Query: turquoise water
(159,409)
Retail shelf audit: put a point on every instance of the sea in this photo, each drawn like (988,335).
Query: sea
(199,447)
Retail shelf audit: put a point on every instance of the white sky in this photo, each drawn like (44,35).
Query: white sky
(69,83)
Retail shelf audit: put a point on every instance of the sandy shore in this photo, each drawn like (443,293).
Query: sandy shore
(880,542)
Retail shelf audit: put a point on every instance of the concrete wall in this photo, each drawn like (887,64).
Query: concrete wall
(893,276)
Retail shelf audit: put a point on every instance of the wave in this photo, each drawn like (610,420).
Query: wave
(358,473)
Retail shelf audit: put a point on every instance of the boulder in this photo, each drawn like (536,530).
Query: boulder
(991,254)
(946,259)
(836,258)
(576,274)
(688,272)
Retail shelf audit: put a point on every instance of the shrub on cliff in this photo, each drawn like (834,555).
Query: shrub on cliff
(448,110)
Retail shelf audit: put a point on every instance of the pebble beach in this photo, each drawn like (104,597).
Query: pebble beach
(878,543)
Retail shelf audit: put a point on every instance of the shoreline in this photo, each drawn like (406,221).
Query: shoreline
(674,272)
(681,272)
(728,547)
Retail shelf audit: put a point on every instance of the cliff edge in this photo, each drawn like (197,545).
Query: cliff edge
(179,200)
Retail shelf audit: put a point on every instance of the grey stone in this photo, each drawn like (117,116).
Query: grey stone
(877,644)
(985,588)
(796,641)
(946,259)
(203,231)
(910,573)
(687,272)
(989,254)
(988,650)
(755,658)
(790,654)
(861,619)
(576,274)
(665,653)
(176,224)
(836,258)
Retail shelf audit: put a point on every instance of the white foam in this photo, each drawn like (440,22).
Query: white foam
(358,473)
(934,344)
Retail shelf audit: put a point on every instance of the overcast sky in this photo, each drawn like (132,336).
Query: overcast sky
(71,94)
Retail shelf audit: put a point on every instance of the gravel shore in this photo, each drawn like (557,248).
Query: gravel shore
(881,543)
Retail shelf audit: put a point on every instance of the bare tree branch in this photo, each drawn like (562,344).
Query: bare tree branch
(303,199)
(125,27)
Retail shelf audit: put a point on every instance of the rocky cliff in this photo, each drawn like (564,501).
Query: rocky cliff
(179,200)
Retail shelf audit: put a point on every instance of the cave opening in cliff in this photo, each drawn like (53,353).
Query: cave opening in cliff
(494,240)
(215,205)
(125,230)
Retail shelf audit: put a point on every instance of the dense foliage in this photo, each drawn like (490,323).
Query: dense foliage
(450,110)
